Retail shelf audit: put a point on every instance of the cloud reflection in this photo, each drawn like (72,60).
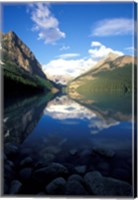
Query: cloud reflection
(67,110)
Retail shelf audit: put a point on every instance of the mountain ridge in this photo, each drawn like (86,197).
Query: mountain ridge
(104,64)
(19,53)
(113,75)
(22,71)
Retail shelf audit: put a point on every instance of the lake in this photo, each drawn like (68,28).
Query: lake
(89,135)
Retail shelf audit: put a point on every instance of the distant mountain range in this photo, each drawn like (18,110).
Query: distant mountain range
(60,79)
(113,73)
(23,72)
(21,69)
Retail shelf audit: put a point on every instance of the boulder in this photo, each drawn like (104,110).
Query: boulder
(76,177)
(51,171)
(81,169)
(15,187)
(26,161)
(73,151)
(25,152)
(120,173)
(51,150)
(25,173)
(10,149)
(5,187)
(104,152)
(10,163)
(8,172)
(57,186)
(74,187)
(48,157)
(106,186)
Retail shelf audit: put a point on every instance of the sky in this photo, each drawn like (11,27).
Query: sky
(69,38)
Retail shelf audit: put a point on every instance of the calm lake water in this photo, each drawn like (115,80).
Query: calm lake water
(94,136)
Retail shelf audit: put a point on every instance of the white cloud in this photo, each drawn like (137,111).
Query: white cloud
(95,44)
(45,23)
(116,26)
(129,48)
(67,69)
(64,48)
(68,55)
(100,51)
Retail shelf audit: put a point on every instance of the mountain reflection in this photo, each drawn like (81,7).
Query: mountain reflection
(22,116)
(63,108)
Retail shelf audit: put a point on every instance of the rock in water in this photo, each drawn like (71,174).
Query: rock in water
(74,187)
(73,151)
(76,177)
(27,161)
(52,171)
(48,157)
(57,186)
(9,173)
(15,187)
(81,169)
(10,149)
(99,185)
(104,152)
(25,173)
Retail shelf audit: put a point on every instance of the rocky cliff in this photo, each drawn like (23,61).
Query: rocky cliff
(22,71)
(15,51)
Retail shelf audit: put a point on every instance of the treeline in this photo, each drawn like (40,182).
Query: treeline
(17,80)
(119,79)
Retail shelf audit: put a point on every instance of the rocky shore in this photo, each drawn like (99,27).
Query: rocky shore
(23,175)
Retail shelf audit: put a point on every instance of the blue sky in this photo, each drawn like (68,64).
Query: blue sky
(71,33)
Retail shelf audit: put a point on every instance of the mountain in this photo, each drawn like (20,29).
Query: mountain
(60,79)
(18,53)
(20,66)
(22,115)
(103,64)
(113,73)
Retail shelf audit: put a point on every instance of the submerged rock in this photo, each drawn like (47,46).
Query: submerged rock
(10,149)
(81,169)
(121,174)
(40,164)
(73,151)
(48,157)
(74,187)
(8,172)
(76,177)
(5,157)
(103,166)
(5,187)
(10,163)
(26,162)
(25,173)
(25,151)
(15,187)
(104,152)
(62,142)
(99,185)
(52,171)
(51,150)
(57,186)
